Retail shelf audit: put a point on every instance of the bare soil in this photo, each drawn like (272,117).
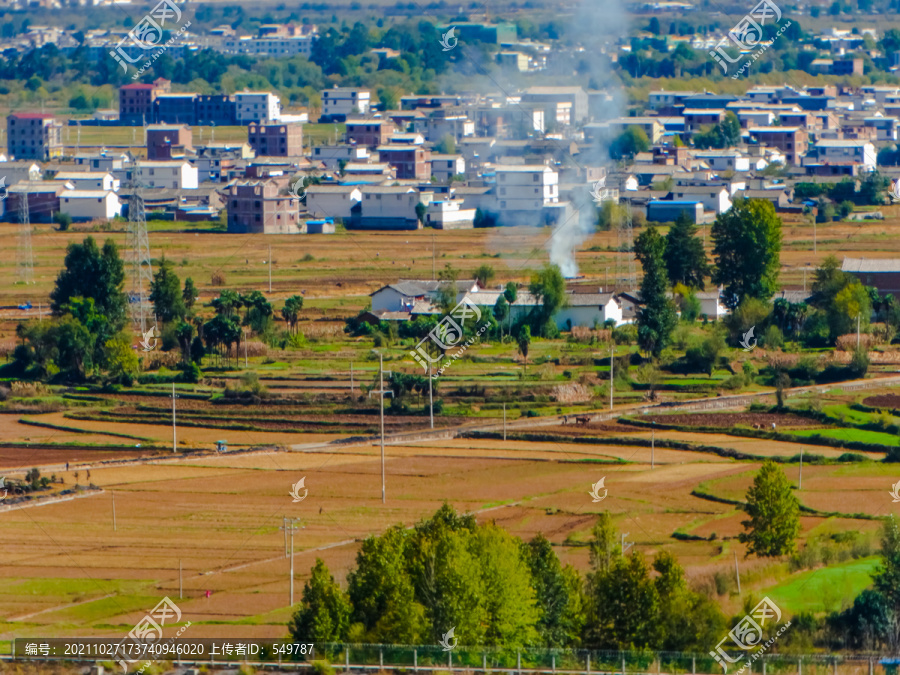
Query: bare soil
(883,401)
(732,419)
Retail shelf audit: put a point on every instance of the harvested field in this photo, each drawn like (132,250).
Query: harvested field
(889,401)
(732,419)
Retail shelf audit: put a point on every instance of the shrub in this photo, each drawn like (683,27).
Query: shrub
(321,667)
(217,279)
(773,338)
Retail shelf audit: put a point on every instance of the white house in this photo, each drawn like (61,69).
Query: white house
(448,214)
(526,187)
(711,304)
(332,201)
(401,296)
(90,180)
(586,309)
(340,102)
(844,151)
(724,160)
(90,204)
(13,172)
(444,167)
(332,155)
(716,198)
(257,106)
(177,174)
(389,208)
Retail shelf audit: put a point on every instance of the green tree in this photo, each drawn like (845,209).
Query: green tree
(446,146)
(190,294)
(382,593)
(120,359)
(559,595)
(165,292)
(630,142)
(887,579)
(549,287)
(501,311)
(686,261)
(291,311)
(656,317)
(228,303)
(746,248)
(731,129)
(324,612)
(259,314)
(626,605)
(93,273)
(774,512)
(64,220)
(448,290)
(484,275)
(523,341)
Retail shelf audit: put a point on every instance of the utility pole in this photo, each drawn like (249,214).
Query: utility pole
(504,421)
(270,268)
(433,276)
(246,338)
(430,396)
(652,443)
(138,250)
(25,260)
(174,437)
(180,583)
(737,572)
(351,377)
(800,480)
(612,358)
(292,527)
(381,392)
(625,548)
(857,331)
(113,494)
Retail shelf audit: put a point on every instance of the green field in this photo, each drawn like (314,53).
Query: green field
(825,589)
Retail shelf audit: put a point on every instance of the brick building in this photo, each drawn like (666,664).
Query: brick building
(410,161)
(217,109)
(257,207)
(33,136)
(168,141)
(276,140)
(370,133)
(136,101)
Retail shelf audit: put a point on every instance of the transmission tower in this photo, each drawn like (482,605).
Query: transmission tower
(625,267)
(138,251)
(24,257)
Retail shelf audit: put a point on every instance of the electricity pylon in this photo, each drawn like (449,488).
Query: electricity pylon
(24,257)
(138,250)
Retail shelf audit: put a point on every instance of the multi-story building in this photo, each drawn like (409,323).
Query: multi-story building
(89,180)
(276,140)
(175,109)
(136,101)
(445,167)
(565,105)
(340,102)
(792,141)
(257,106)
(828,151)
(526,187)
(258,207)
(386,207)
(332,155)
(369,133)
(168,141)
(33,136)
(410,161)
(177,174)
(332,201)
(216,109)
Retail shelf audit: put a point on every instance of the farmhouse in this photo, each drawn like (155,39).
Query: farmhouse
(403,295)
(882,273)
(90,204)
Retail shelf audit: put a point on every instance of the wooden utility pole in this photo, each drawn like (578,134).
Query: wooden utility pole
(737,572)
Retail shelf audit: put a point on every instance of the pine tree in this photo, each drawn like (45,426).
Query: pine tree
(686,261)
(656,318)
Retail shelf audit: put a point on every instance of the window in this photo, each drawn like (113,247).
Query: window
(502,205)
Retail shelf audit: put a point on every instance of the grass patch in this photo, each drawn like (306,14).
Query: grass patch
(821,590)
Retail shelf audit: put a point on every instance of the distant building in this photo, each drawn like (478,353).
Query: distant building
(168,141)
(410,161)
(526,187)
(176,174)
(257,106)
(216,109)
(90,204)
(175,109)
(332,155)
(136,101)
(257,207)
(881,273)
(388,208)
(669,211)
(445,167)
(42,196)
(845,152)
(332,201)
(89,180)
(276,140)
(341,102)
(792,141)
(558,103)
(492,33)
(33,136)
(369,133)
(449,214)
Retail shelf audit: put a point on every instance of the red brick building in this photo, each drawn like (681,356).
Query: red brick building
(792,141)
(136,101)
(258,207)
(168,141)
(410,161)
(276,140)
(370,133)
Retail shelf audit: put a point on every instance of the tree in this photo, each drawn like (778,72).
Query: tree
(630,142)
(887,580)
(446,146)
(260,312)
(91,273)
(447,291)
(189,295)
(549,287)
(558,592)
(731,129)
(501,311)
(746,248)
(523,341)
(64,220)
(484,275)
(291,311)
(656,317)
(774,511)
(120,359)
(324,612)
(165,292)
(420,212)
(686,261)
